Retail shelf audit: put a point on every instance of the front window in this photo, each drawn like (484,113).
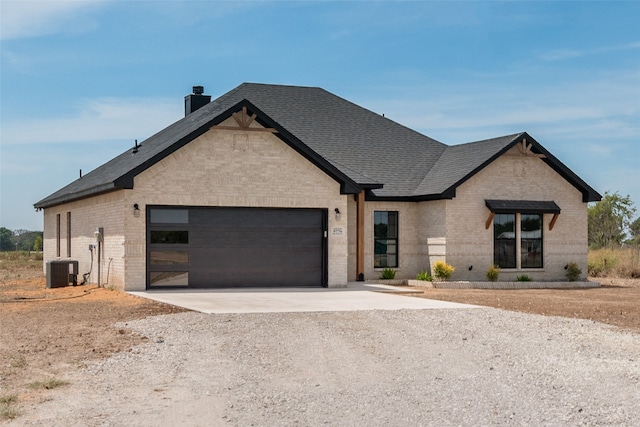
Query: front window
(531,241)
(504,240)
(385,232)
(511,231)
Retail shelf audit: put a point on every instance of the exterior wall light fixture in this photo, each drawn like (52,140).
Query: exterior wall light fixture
(136,210)
(338,215)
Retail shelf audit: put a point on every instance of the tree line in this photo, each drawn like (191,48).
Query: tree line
(20,240)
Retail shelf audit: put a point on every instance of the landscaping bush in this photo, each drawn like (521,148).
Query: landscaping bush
(493,272)
(442,271)
(388,274)
(524,278)
(573,272)
(425,276)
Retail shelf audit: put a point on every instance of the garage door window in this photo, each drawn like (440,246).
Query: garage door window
(169,216)
(176,237)
(169,278)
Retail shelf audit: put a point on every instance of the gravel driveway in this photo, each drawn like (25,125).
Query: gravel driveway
(466,367)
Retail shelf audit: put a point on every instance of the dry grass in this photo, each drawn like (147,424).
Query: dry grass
(49,384)
(7,408)
(622,263)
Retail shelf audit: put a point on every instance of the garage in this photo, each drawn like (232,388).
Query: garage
(204,247)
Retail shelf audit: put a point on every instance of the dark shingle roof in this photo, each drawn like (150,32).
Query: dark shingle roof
(359,148)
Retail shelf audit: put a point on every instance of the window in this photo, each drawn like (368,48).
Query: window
(58,235)
(531,241)
(169,216)
(169,237)
(385,234)
(504,240)
(511,231)
(68,234)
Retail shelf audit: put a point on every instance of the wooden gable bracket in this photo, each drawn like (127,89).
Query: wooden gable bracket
(489,220)
(244,120)
(525,149)
(553,221)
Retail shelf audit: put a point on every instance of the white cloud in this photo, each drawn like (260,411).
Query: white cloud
(97,120)
(22,19)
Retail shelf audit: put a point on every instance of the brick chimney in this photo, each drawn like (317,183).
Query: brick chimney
(196,100)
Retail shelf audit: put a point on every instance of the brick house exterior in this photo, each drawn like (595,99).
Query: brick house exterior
(383,196)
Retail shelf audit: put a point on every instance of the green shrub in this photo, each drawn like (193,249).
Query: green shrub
(388,274)
(524,278)
(424,275)
(573,272)
(442,271)
(493,272)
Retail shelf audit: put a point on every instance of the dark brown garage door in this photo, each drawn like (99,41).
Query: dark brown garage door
(230,247)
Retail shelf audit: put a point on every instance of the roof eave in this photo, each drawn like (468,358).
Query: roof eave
(72,197)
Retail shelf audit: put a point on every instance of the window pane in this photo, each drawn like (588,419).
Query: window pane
(531,241)
(381,225)
(504,226)
(504,244)
(160,236)
(169,278)
(392,230)
(169,257)
(169,216)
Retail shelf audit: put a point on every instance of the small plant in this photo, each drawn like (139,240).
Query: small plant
(9,399)
(388,274)
(524,278)
(573,271)
(424,275)
(493,272)
(49,384)
(442,271)
(6,409)
(17,361)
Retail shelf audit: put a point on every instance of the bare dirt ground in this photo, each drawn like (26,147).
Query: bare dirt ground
(616,302)
(45,333)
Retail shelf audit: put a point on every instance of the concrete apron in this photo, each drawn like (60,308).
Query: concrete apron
(356,296)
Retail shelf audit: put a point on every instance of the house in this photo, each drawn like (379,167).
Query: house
(272,185)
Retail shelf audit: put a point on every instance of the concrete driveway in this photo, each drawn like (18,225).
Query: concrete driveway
(356,296)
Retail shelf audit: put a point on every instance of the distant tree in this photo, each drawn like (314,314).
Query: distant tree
(25,239)
(609,220)
(634,230)
(37,245)
(6,239)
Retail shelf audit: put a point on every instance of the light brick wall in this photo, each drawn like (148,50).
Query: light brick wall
(454,230)
(87,216)
(239,169)
(411,239)
(516,177)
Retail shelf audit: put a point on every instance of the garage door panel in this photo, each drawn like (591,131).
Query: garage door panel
(256,247)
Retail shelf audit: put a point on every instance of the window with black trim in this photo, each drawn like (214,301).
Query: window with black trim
(512,230)
(385,233)
(531,241)
(504,240)
(58,235)
(69,234)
